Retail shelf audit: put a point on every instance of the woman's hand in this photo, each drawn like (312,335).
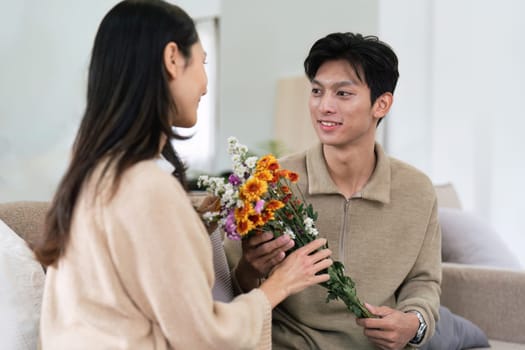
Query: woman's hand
(212,204)
(297,272)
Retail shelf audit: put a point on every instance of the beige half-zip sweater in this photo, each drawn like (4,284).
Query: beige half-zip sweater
(137,273)
(389,240)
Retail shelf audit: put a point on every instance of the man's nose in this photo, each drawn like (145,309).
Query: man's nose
(327,104)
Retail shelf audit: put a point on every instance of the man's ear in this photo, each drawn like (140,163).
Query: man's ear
(382,105)
(172,58)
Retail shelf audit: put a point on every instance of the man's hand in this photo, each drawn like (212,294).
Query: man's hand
(260,254)
(392,330)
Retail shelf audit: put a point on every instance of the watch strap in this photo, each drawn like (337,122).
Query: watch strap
(421,330)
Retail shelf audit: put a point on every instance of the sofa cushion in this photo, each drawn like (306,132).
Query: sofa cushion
(467,239)
(21,288)
(455,332)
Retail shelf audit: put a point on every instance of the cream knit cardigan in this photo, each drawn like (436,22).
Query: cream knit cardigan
(137,273)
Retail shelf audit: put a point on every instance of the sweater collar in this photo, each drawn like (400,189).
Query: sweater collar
(320,182)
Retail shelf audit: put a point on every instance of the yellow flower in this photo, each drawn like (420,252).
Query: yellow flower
(273,205)
(244,226)
(292,176)
(243,213)
(253,189)
(256,219)
(263,175)
(267,215)
(287,174)
(267,162)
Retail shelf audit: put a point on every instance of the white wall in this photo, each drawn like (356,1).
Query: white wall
(44,50)
(263,41)
(458,112)
(199,8)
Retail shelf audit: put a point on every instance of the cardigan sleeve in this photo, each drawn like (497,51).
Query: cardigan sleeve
(163,256)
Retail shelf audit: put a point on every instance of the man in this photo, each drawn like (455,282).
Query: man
(378,213)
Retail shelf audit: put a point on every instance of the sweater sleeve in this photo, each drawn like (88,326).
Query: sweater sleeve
(421,289)
(163,256)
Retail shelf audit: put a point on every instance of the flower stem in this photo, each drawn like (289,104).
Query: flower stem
(342,287)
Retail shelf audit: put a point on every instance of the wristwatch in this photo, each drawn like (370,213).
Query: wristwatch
(421,329)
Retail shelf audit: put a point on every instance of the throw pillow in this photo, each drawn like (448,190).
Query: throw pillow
(21,288)
(467,239)
(454,332)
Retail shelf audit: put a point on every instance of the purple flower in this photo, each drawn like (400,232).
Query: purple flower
(229,224)
(259,206)
(234,180)
(230,227)
(234,236)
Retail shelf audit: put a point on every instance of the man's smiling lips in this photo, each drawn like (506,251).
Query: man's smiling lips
(328,124)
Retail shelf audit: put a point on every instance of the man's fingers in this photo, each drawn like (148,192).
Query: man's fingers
(381,311)
(275,259)
(258,239)
(282,243)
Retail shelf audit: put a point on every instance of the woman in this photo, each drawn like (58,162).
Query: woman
(129,260)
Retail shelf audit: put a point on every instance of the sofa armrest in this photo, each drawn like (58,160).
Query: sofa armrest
(492,298)
(26,218)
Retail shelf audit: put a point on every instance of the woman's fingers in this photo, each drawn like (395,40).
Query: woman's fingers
(209,203)
(312,246)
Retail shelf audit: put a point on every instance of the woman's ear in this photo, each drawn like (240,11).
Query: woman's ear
(172,58)
(382,105)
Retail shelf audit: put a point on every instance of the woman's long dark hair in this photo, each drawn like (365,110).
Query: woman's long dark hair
(129,105)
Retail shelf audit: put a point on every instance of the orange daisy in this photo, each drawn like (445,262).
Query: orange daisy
(253,189)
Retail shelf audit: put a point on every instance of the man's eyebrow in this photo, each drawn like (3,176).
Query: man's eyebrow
(337,84)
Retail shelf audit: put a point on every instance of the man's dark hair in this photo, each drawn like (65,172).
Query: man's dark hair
(374,61)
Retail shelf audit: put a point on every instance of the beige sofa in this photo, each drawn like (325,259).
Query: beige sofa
(494,299)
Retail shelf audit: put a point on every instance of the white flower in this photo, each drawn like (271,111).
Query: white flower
(236,159)
(240,170)
(235,148)
(203,181)
(309,226)
(308,222)
(289,232)
(251,162)
(230,196)
(312,231)
(210,216)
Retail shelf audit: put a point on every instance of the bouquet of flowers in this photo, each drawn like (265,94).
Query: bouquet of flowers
(257,197)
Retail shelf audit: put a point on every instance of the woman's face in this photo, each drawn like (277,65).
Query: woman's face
(188,86)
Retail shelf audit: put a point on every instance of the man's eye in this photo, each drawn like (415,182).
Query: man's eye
(343,93)
(316,91)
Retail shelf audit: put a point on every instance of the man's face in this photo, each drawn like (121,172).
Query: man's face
(340,106)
